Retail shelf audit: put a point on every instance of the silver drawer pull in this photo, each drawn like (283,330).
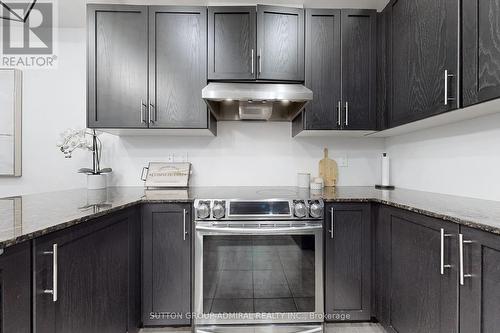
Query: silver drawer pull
(442,238)
(260,61)
(461,243)
(332,223)
(252,62)
(447,77)
(152,113)
(346,114)
(53,291)
(184,224)
(339,113)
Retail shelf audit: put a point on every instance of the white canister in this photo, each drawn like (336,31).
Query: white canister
(96,182)
(317,184)
(303,180)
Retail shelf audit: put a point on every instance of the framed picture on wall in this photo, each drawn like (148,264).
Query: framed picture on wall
(10,122)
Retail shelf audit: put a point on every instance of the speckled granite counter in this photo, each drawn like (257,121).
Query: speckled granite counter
(29,216)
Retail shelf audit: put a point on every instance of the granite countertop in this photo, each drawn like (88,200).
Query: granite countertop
(29,216)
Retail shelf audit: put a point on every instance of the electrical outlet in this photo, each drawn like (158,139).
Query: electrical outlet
(342,160)
(181,157)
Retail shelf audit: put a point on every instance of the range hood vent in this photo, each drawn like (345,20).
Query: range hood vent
(256,101)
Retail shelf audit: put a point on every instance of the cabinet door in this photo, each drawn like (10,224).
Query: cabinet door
(348,262)
(117,76)
(424,48)
(232,43)
(280,43)
(166,264)
(91,271)
(480,51)
(323,68)
(420,299)
(178,67)
(383,69)
(359,36)
(480,293)
(15,289)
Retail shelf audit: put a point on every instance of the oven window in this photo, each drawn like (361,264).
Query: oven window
(258,274)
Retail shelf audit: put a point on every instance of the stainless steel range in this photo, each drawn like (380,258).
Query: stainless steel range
(258,261)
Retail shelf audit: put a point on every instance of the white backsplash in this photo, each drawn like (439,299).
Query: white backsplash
(245,153)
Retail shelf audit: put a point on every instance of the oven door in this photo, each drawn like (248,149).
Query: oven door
(258,272)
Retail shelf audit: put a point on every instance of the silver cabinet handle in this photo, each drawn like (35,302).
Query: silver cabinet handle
(150,112)
(461,243)
(252,62)
(339,113)
(142,111)
(260,61)
(53,291)
(447,76)
(184,224)
(443,265)
(332,223)
(346,114)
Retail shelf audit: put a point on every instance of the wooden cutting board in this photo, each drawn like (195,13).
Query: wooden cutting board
(328,170)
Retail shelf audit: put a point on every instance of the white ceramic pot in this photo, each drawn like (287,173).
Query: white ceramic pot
(96,182)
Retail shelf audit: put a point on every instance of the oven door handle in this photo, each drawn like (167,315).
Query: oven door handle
(258,230)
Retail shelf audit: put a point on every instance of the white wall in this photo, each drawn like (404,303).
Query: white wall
(242,154)
(459,159)
(53,100)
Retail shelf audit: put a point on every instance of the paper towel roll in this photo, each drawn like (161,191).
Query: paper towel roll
(386,170)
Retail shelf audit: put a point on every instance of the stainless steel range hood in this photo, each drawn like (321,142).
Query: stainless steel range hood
(256,101)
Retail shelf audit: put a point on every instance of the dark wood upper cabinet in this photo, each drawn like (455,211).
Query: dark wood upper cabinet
(359,37)
(117,80)
(15,289)
(166,264)
(423,57)
(416,293)
(383,68)
(96,277)
(147,66)
(323,67)
(480,51)
(232,53)
(177,67)
(280,43)
(480,292)
(341,47)
(348,262)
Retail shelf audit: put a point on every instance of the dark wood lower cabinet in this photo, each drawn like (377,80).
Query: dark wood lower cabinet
(480,292)
(348,262)
(166,267)
(415,276)
(15,289)
(97,277)
(415,296)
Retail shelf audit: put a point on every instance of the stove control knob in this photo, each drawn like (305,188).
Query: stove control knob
(218,211)
(203,210)
(316,210)
(300,209)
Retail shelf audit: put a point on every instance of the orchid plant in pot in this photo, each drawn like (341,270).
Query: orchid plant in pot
(86,139)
